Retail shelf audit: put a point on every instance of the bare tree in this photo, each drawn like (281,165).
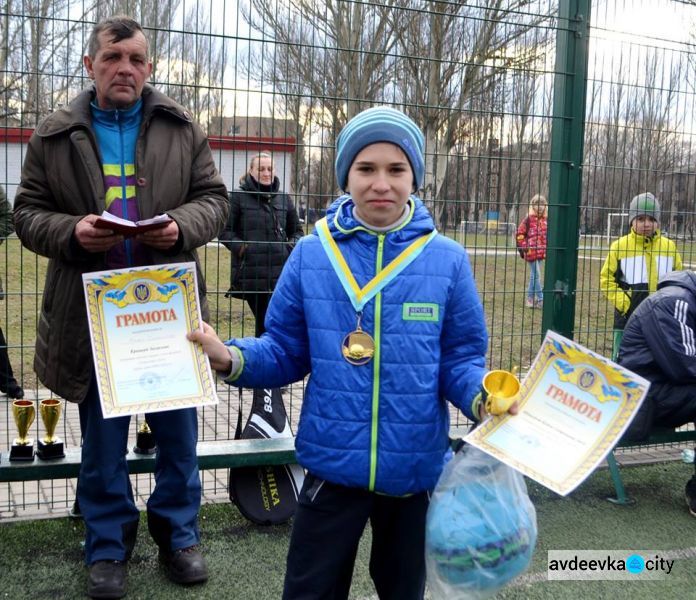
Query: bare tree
(38,56)
(457,52)
(631,141)
(43,43)
(341,51)
(527,143)
(430,58)
(195,77)
(327,60)
(187,56)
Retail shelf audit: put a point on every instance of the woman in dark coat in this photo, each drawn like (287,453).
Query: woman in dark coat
(261,230)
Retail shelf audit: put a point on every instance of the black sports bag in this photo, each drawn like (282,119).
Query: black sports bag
(266,495)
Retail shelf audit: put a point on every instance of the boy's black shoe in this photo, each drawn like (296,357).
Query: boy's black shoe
(185,565)
(107,579)
(691,495)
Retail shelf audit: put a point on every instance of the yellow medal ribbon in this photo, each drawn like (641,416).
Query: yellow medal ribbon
(361,296)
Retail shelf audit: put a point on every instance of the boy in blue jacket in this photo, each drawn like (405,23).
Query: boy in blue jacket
(383,312)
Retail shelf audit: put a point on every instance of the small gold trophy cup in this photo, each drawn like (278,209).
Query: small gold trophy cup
(50,446)
(23,412)
(144,440)
(503,389)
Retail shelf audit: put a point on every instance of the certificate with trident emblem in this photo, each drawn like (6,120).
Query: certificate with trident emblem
(574,405)
(138,320)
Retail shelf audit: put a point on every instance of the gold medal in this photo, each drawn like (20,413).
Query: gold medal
(358,347)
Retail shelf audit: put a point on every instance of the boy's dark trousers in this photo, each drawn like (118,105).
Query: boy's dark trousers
(328,524)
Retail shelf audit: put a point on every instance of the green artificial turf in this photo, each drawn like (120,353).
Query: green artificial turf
(585,520)
(43,558)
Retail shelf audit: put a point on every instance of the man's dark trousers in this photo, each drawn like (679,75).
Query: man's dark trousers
(104,491)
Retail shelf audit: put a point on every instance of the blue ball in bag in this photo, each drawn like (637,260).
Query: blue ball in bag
(480,540)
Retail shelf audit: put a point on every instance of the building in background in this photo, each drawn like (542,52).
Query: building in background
(232,155)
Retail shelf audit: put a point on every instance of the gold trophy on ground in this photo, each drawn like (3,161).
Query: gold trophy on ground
(145,441)
(502,389)
(50,446)
(23,412)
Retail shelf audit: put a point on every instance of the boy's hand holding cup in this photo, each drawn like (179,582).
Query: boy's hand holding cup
(500,392)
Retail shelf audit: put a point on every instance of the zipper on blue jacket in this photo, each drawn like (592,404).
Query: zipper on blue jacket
(124,189)
(374,430)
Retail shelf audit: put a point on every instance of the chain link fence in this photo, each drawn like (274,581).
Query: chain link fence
(485,80)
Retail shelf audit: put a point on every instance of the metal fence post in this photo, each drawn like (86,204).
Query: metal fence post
(565,179)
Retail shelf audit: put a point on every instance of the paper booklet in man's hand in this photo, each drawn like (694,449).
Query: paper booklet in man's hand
(130,228)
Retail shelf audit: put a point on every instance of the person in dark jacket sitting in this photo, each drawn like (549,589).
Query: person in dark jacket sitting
(261,230)
(659,344)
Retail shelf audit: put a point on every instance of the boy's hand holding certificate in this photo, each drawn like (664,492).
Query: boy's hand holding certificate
(574,405)
(130,228)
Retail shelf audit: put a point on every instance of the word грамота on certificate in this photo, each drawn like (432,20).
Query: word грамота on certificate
(574,406)
(138,320)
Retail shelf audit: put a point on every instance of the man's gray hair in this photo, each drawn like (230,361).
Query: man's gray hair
(120,27)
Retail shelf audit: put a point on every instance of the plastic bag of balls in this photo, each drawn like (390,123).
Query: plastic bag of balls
(480,528)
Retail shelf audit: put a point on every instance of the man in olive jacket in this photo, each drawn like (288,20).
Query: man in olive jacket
(123,147)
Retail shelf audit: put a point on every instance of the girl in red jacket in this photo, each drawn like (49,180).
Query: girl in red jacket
(531,244)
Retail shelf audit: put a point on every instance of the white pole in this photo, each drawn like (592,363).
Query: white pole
(609,216)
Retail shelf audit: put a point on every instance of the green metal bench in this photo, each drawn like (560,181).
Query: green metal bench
(211,455)
(659,436)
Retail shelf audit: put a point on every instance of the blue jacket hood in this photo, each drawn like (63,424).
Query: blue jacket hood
(684,279)
(342,223)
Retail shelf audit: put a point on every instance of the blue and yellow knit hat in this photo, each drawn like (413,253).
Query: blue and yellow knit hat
(380,124)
